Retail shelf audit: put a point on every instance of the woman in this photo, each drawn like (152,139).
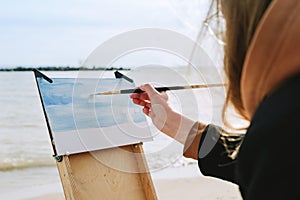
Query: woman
(262,65)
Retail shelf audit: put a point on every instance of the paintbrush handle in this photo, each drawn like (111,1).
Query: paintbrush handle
(163,89)
(159,89)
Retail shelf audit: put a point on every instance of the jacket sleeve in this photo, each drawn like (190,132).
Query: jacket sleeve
(214,150)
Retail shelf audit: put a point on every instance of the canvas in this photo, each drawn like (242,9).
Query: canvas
(80,122)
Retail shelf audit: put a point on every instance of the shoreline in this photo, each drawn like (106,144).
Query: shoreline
(62,68)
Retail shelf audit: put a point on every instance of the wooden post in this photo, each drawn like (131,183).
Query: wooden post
(85,177)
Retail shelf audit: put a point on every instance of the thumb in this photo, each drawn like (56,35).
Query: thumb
(150,90)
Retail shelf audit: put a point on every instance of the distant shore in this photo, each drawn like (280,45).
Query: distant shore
(60,68)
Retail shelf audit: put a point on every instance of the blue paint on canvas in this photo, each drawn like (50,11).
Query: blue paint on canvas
(69,105)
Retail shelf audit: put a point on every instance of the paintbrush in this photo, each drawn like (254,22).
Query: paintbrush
(159,89)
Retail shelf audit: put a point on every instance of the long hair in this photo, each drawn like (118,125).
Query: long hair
(242,18)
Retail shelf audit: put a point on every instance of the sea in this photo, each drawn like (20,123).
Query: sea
(27,167)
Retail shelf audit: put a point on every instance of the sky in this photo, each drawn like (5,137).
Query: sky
(65,32)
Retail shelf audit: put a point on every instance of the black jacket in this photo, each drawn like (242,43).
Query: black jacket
(268,163)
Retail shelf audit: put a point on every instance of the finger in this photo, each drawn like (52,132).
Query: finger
(142,96)
(150,90)
(148,105)
(134,96)
(139,102)
(136,101)
(146,111)
(142,102)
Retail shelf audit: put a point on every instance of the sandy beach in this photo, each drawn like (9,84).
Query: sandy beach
(196,188)
(184,188)
(174,183)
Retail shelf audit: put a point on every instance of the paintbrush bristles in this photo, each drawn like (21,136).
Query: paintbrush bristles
(108,93)
(205,86)
(104,93)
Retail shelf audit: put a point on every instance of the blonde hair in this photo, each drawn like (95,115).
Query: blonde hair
(242,17)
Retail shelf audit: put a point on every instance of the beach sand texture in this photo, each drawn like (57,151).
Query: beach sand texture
(205,188)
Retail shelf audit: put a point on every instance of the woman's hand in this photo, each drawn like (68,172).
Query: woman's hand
(162,115)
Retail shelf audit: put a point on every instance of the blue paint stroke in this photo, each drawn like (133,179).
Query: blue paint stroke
(68,107)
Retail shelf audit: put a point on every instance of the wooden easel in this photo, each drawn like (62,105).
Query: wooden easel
(86,178)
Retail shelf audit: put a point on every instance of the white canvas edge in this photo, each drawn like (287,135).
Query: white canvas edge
(85,140)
